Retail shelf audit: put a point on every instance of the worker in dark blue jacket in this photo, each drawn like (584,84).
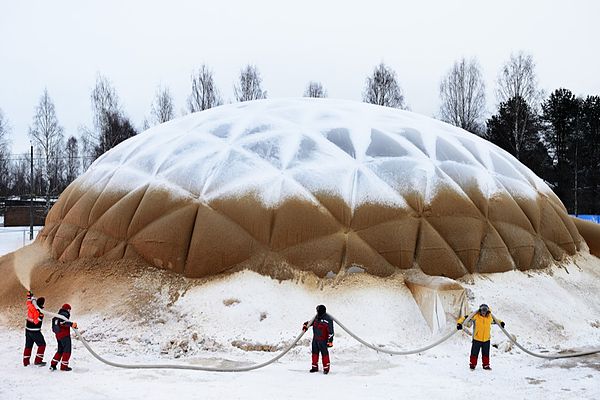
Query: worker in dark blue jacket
(322,338)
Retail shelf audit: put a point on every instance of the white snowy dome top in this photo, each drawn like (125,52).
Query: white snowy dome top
(277,149)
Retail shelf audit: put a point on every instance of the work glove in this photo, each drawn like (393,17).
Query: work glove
(74,325)
(459,327)
(305,326)
(502,324)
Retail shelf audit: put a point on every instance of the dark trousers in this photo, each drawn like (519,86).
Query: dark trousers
(63,354)
(485,352)
(32,337)
(320,346)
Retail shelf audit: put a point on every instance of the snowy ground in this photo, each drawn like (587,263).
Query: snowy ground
(13,238)
(203,323)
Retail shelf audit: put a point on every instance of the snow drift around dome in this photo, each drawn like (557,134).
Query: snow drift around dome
(313,184)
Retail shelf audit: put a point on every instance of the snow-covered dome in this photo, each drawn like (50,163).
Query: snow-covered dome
(313,184)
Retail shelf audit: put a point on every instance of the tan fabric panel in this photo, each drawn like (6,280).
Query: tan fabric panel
(450,237)
(435,256)
(504,209)
(116,219)
(321,255)
(520,243)
(155,203)
(244,211)
(296,221)
(79,214)
(65,234)
(531,209)
(359,252)
(164,242)
(555,234)
(440,299)
(96,244)
(542,257)
(570,225)
(367,215)
(464,236)
(494,255)
(56,213)
(217,244)
(590,232)
(71,253)
(394,240)
(337,207)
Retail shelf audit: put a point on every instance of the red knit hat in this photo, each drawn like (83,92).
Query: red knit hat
(66,306)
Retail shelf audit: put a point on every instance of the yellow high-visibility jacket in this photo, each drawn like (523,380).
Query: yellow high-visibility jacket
(483,326)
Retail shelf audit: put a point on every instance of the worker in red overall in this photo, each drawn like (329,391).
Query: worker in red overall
(322,338)
(62,329)
(33,331)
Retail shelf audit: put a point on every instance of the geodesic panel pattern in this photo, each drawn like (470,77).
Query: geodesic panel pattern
(313,184)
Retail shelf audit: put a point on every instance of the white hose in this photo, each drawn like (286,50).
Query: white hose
(294,342)
(176,366)
(402,352)
(546,356)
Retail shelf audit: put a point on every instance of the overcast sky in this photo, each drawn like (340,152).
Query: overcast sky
(62,45)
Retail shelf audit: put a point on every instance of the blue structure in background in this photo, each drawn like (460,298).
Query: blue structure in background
(591,218)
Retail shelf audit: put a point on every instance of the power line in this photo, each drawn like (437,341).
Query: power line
(16,157)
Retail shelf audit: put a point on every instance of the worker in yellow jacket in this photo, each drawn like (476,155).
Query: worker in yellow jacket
(481,335)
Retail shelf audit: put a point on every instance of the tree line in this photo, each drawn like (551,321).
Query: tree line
(556,135)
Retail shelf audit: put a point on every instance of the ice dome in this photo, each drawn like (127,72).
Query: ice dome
(311,184)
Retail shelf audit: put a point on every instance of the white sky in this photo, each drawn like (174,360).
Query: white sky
(139,44)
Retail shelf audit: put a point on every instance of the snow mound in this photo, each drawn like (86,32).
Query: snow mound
(311,184)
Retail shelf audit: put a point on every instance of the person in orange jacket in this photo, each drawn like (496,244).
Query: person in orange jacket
(33,331)
(62,329)
(481,335)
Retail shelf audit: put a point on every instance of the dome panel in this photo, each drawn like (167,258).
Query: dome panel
(315,184)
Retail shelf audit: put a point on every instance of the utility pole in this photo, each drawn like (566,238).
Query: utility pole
(31,197)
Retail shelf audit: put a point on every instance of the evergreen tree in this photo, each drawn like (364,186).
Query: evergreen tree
(526,147)
(561,114)
(589,156)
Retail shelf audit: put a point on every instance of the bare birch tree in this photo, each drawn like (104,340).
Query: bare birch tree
(462,93)
(162,109)
(47,135)
(249,86)
(104,101)
(315,89)
(204,94)
(382,88)
(111,125)
(4,156)
(517,79)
